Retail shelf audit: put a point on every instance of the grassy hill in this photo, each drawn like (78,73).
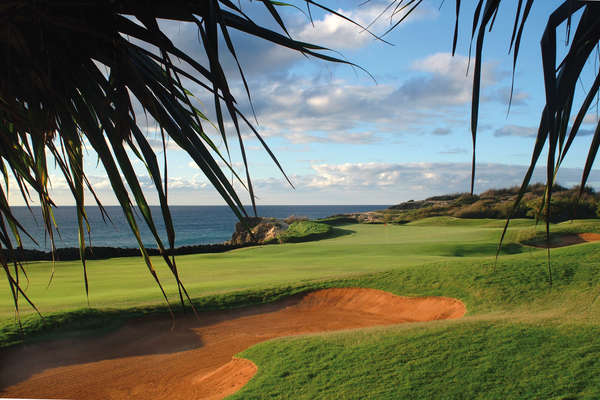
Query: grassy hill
(521,337)
(494,203)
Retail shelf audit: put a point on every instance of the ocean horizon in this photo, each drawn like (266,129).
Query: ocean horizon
(193,225)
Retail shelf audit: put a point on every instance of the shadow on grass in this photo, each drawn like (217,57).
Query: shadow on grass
(337,221)
(334,232)
(339,232)
(471,250)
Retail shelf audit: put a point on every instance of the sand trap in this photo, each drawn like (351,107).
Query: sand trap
(570,239)
(146,360)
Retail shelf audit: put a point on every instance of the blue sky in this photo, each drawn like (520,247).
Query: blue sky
(346,138)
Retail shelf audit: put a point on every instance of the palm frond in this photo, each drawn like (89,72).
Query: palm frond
(71,72)
(560,79)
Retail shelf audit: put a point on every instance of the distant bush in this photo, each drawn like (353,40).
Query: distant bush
(445,197)
(500,193)
(412,205)
(479,209)
(465,199)
(564,207)
(338,220)
(493,203)
(505,208)
(294,218)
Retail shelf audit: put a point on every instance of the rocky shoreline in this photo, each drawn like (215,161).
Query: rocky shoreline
(252,231)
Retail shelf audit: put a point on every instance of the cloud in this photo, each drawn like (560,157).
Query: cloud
(585,132)
(349,183)
(441,131)
(157,144)
(426,178)
(260,57)
(446,82)
(454,150)
(516,130)
(297,106)
(530,132)
(335,137)
(322,109)
(502,95)
(591,118)
(257,56)
(337,33)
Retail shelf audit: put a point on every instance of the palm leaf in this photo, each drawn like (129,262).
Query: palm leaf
(51,108)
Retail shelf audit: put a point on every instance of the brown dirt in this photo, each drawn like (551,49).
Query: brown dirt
(570,239)
(147,359)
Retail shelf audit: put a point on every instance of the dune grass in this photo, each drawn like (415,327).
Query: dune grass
(521,338)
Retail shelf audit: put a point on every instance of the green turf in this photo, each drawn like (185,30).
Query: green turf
(125,282)
(521,338)
(536,235)
(302,231)
(461,360)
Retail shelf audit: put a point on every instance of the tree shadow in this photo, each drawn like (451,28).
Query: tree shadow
(336,231)
(472,250)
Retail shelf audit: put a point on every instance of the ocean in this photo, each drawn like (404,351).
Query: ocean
(193,224)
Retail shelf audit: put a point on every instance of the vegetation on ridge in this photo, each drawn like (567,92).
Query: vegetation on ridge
(566,204)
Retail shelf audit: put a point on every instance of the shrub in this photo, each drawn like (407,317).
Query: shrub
(479,209)
(499,193)
(338,220)
(563,208)
(445,197)
(293,218)
(503,209)
(466,199)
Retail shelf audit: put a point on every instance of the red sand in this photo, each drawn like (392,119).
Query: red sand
(589,237)
(147,360)
(570,239)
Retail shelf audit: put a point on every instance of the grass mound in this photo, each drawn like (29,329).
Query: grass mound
(304,231)
(460,360)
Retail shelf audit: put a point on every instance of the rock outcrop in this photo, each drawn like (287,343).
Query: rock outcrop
(258,230)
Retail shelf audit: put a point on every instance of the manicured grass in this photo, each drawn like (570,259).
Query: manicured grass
(464,222)
(459,360)
(302,231)
(125,282)
(536,235)
(521,338)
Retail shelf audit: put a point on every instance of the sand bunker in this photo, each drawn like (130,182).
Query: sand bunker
(147,360)
(569,239)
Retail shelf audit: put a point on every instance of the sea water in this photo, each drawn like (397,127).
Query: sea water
(193,224)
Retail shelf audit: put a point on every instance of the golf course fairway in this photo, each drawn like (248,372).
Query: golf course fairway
(531,330)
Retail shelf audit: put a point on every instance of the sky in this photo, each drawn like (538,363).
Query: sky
(397,132)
